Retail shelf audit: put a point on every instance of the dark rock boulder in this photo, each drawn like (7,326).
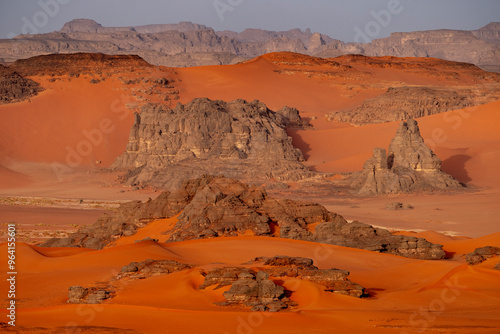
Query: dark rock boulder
(480,255)
(81,295)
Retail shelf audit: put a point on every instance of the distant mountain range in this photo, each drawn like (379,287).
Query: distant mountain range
(189,44)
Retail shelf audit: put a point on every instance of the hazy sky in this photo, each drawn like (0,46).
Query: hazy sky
(340,19)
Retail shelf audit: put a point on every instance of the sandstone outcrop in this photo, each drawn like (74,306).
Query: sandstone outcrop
(14,87)
(481,254)
(217,207)
(150,268)
(129,218)
(256,288)
(333,280)
(239,139)
(81,295)
(408,165)
(402,103)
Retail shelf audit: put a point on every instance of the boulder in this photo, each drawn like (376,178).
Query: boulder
(481,254)
(81,295)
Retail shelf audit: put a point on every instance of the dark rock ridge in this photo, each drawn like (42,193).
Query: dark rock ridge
(255,289)
(76,64)
(402,103)
(218,207)
(150,268)
(239,139)
(481,254)
(408,165)
(189,44)
(14,87)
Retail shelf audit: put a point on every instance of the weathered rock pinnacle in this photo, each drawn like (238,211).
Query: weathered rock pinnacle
(408,165)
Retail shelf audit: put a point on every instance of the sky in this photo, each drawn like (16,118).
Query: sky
(346,20)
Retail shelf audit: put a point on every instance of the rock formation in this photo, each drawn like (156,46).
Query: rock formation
(77,64)
(255,289)
(481,254)
(217,207)
(81,295)
(239,139)
(130,217)
(333,280)
(150,268)
(189,44)
(401,103)
(14,87)
(409,165)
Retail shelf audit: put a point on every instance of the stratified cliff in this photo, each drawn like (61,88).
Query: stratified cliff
(189,44)
(236,139)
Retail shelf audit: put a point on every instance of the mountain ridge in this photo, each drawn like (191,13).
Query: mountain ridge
(189,44)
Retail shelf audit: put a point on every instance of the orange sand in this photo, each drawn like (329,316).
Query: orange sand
(402,290)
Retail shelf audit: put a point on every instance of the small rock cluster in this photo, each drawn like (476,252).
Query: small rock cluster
(480,255)
(255,289)
(398,206)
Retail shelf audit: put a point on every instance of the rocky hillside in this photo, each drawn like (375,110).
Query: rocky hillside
(189,44)
(213,207)
(237,139)
(14,87)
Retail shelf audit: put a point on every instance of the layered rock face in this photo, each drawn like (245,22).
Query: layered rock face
(401,103)
(408,165)
(236,139)
(14,87)
(217,207)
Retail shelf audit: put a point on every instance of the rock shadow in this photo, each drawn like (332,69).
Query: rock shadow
(455,166)
(299,143)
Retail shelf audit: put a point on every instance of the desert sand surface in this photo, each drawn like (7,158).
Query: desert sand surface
(405,295)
